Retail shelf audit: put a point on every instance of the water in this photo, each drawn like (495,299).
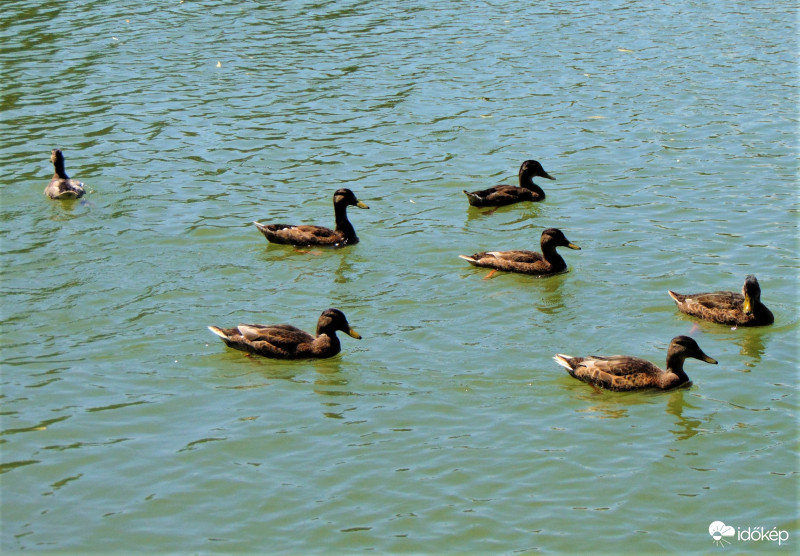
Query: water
(672,131)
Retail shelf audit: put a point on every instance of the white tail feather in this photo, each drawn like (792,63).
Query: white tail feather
(673,295)
(217,331)
(563,360)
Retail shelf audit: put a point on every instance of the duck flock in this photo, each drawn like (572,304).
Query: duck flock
(617,372)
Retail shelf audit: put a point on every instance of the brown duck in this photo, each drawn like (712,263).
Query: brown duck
(624,372)
(284,341)
(61,186)
(501,195)
(527,262)
(725,307)
(305,235)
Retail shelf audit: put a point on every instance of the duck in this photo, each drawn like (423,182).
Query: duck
(501,195)
(306,235)
(527,262)
(624,372)
(726,307)
(61,186)
(284,341)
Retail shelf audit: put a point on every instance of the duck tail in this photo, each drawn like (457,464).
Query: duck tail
(564,361)
(474,199)
(675,296)
(218,331)
(260,226)
(470,260)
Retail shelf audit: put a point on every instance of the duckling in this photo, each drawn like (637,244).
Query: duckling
(501,195)
(725,307)
(624,372)
(284,341)
(527,262)
(305,235)
(61,186)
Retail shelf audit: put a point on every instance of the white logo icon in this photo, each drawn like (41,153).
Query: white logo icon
(718,530)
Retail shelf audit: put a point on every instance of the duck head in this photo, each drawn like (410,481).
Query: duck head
(333,319)
(346,197)
(752,294)
(533,169)
(687,347)
(554,236)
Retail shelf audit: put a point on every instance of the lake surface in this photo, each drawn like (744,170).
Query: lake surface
(671,128)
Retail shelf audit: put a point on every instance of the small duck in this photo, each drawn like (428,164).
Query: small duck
(624,372)
(726,307)
(284,341)
(501,195)
(527,262)
(61,186)
(305,235)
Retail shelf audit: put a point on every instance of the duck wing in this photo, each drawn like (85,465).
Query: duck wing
(299,235)
(517,256)
(725,300)
(283,336)
(617,372)
(500,195)
(723,307)
(281,341)
(525,262)
(619,365)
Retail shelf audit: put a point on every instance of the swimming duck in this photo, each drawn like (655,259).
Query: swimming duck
(725,307)
(624,372)
(304,235)
(501,195)
(61,186)
(284,341)
(527,262)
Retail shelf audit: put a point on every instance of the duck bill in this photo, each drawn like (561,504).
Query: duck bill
(353,334)
(548,176)
(747,306)
(362,205)
(703,357)
(573,246)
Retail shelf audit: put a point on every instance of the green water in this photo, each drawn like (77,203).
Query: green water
(672,131)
